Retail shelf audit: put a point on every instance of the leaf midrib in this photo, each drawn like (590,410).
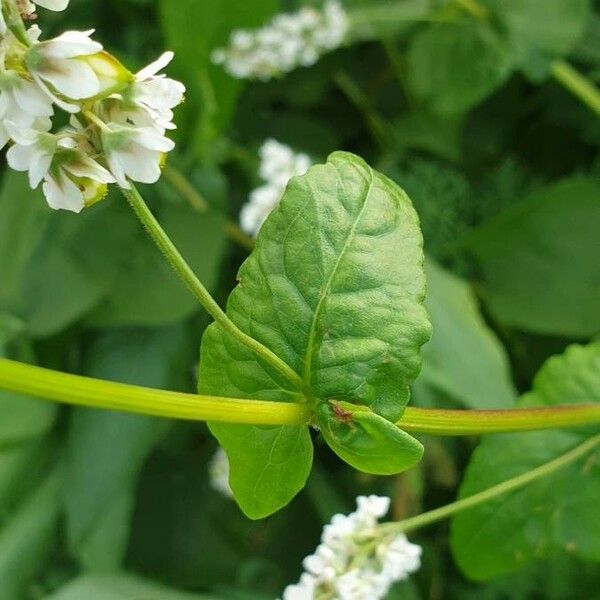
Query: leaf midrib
(310,344)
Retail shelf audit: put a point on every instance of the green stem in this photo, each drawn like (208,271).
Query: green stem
(577,84)
(84,391)
(502,488)
(96,393)
(480,422)
(174,258)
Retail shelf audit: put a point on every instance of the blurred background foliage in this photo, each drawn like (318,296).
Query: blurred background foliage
(464,111)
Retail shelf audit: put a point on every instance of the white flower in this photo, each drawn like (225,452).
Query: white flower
(21,102)
(72,179)
(75,181)
(158,94)
(33,150)
(287,42)
(356,561)
(279,164)
(149,100)
(218,471)
(59,66)
(134,153)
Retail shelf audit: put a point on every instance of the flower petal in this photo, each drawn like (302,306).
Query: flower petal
(33,101)
(153,68)
(63,194)
(70,44)
(39,167)
(150,139)
(116,168)
(20,157)
(71,78)
(141,165)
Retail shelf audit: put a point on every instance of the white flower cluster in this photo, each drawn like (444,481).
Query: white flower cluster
(354,561)
(289,41)
(118,119)
(278,164)
(218,471)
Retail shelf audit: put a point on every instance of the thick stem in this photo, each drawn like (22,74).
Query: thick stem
(502,488)
(577,84)
(480,422)
(95,393)
(174,258)
(84,391)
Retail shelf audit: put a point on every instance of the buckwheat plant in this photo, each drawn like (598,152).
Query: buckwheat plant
(118,119)
(289,41)
(278,164)
(325,328)
(355,559)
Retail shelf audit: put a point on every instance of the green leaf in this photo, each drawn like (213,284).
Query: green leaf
(454,66)
(538,31)
(551,516)
(335,288)
(106,450)
(268,465)
(538,275)
(464,359)
(120,587)
(367,441)
(25,540)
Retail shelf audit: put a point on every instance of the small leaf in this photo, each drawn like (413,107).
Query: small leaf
(367,441)
(553,515)
(335,288)
(537,275)
(454,66)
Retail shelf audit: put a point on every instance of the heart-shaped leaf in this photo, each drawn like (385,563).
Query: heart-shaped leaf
(335,288)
